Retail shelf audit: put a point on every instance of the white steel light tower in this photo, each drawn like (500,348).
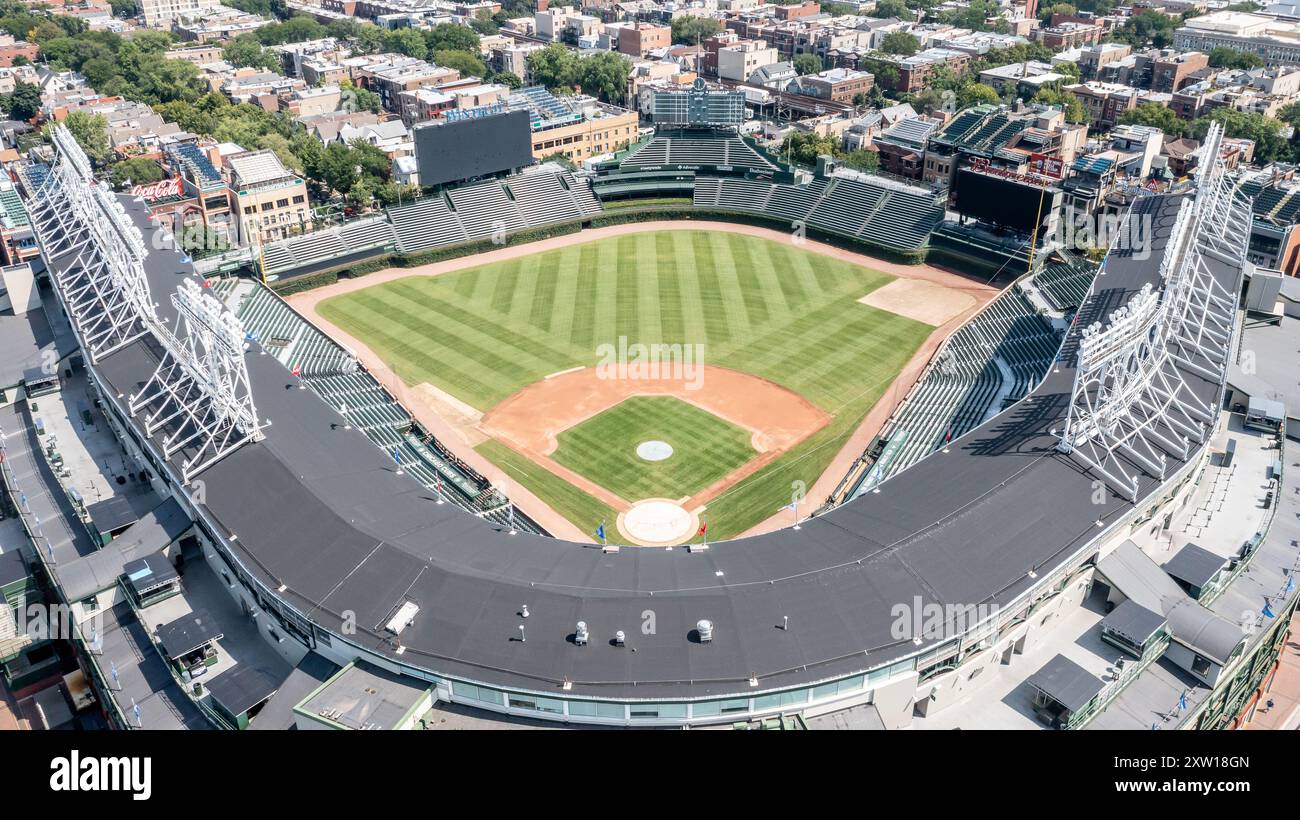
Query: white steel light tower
(103,286)
(1130,406)
(199,392)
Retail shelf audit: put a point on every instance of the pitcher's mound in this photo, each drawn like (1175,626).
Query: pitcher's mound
(654,450)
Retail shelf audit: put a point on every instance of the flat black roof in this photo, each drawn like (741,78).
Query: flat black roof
(1195,565)
(242,688)
(319,510)
(188,633)
(1066,682)
(149,572)
(1133,621)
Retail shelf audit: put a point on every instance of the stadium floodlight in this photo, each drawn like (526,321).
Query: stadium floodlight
(1130,406)
(103,287)
(199,392)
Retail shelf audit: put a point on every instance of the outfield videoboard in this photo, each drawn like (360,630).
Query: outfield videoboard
(470,147)
(1004,201)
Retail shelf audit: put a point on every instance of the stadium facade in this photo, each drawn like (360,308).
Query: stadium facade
(312,525)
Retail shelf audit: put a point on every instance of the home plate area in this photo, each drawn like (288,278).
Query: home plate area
(655,450)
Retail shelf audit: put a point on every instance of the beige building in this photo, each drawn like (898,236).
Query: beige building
(269,199)
(603,129)
(739,61)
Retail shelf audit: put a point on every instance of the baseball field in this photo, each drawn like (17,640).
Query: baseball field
(788,361)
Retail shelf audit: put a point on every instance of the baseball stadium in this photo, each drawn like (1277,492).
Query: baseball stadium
(694,438)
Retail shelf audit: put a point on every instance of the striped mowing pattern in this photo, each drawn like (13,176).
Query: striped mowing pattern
(758,306)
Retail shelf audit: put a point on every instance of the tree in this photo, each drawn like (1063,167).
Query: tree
(1265,132)
(807,64)
(246,51)
(554,66)
(559,159)
(469,64)
(483,23)
(604,75)
(507,78)
(297,29)
(406,41)
(452,36)
(899,42)
(892,8)
(1066,101)
(1290,114)
(122,8)
(1147,27)
(862,160)
(135,171)
(804,148)
(1156,116)
(1224,57)
(91,133)
(25,101)
(977,94)
(693,30)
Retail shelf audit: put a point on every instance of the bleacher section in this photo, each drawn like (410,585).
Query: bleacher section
(464,214)
(293,341)
(991,361)
(720,151)
(477,211)
(1065,284)
(872,209)
(335,376)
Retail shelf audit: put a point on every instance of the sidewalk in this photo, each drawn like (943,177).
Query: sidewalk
(1284,690)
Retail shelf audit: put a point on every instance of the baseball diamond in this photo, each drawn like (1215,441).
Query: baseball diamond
(792,318)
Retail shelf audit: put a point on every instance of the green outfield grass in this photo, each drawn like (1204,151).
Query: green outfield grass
(603,448)
(763,307)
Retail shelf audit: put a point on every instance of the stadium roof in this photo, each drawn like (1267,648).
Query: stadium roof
(317,510)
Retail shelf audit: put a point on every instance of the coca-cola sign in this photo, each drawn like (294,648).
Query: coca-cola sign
(155,191)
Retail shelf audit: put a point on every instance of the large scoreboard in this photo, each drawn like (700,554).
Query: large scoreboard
(699,107)
(466,147)
(1019,202)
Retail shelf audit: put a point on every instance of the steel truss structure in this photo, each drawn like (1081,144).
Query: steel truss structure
(200,390)
(1130,407)
(199,395)
(104,288)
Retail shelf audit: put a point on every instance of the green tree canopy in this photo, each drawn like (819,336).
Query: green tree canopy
(807,64)
(694,30)
(900,42)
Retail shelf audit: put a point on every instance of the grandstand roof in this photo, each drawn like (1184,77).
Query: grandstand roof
(322,513)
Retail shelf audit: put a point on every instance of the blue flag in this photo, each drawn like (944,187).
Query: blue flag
(185,260)
(397,455)
(1268,611)
(600,531)
(250,337)
(1290,584)
(1182,702)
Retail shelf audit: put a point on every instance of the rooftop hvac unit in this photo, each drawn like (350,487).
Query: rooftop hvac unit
(705,628)
(619,638)
(401,620)
(580,634)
